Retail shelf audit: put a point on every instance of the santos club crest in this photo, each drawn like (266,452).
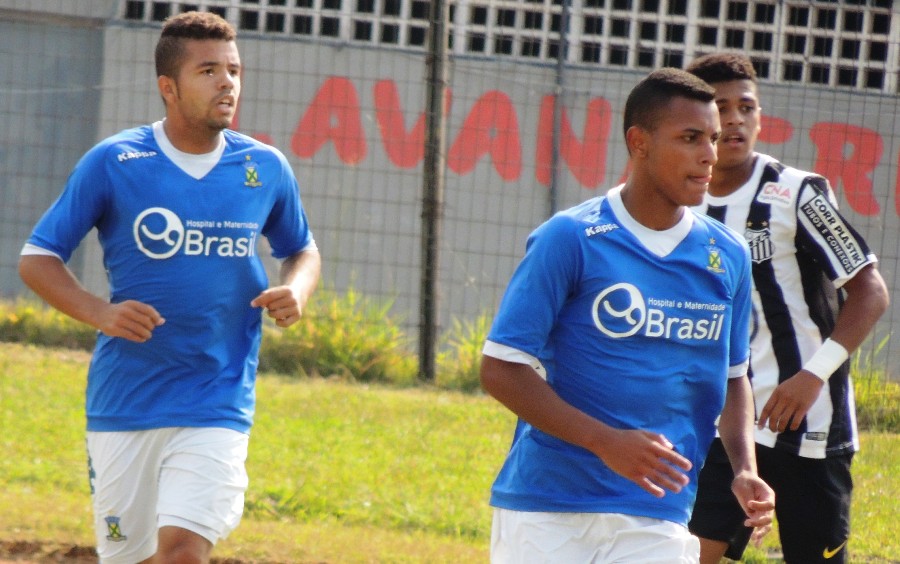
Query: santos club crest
(760,242)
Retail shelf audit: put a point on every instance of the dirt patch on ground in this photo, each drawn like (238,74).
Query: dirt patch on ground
(29,552)
(35,552)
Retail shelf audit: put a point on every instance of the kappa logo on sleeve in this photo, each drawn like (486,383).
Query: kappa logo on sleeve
(129,155)
(600,229)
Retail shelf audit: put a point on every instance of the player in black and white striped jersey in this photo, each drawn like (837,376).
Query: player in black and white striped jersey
(817,295)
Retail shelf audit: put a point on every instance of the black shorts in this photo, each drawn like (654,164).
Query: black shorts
(717,514)
(812,504)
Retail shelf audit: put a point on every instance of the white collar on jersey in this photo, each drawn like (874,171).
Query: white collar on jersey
(196,166)
(660,243)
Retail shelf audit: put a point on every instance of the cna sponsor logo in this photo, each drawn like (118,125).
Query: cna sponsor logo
(621,311)
(773,193)
(160,234)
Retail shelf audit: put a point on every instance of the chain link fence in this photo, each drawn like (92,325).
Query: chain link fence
(531,119)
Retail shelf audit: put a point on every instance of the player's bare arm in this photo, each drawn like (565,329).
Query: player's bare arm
(299,276)
(52,280)
(645,458)
(867,299)
(736,430)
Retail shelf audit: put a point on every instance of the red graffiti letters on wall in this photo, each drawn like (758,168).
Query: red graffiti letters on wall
(334,115)
(586,160)
(491,128)
(845,154)
(851,170)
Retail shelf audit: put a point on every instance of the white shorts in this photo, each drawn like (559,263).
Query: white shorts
(533,537)
(192,478)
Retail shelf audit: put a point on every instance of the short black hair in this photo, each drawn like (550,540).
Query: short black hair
(723,67)
(187,26)
(649,100)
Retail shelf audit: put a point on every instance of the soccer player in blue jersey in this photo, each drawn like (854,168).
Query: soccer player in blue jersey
(817,294)
(622,336)
(179,206)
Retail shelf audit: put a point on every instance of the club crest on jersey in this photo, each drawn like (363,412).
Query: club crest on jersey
(114,529)
(714,258)
(760,242)
(251,174)
(773,193)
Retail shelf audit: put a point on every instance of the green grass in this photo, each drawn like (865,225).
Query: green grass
(877,399)
(331,464)
(339,472)
(354,338)
(341,334)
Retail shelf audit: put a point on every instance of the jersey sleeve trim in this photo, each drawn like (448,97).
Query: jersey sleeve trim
(738,370)
(31,249)
(510,354)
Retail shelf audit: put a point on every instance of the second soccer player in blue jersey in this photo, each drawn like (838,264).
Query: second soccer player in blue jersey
(621,337)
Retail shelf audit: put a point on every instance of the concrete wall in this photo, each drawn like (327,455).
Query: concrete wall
(346,118)
(49,92)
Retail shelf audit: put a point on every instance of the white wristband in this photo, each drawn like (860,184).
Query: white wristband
(830,356)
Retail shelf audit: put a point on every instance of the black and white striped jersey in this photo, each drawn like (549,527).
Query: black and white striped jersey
(803,252)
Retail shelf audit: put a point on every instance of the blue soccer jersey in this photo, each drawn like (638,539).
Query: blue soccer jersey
(636,337)
(188,247)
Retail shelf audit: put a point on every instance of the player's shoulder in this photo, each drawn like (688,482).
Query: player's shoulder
(587,212)
(589,215)
(784,182)
(126,145)
(240,142)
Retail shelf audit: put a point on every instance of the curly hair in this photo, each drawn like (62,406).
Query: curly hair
(183,27)
(649,100)
(722,67)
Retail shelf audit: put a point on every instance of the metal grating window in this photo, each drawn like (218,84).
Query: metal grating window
(837,43)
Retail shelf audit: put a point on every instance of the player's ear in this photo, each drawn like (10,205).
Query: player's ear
(636,140)
(168,89)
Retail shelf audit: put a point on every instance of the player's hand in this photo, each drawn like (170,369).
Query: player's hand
(647,459)
(130,320)
(790,402)
(758,534)
(758,502)
(281,303)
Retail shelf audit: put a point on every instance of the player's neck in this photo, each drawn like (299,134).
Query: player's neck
(650,209)
(196,141)
(727,180)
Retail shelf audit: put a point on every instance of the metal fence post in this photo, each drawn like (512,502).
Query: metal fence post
(433,187)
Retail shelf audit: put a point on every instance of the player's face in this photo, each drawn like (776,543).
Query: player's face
(208,85)
(739,113)
(681,151)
